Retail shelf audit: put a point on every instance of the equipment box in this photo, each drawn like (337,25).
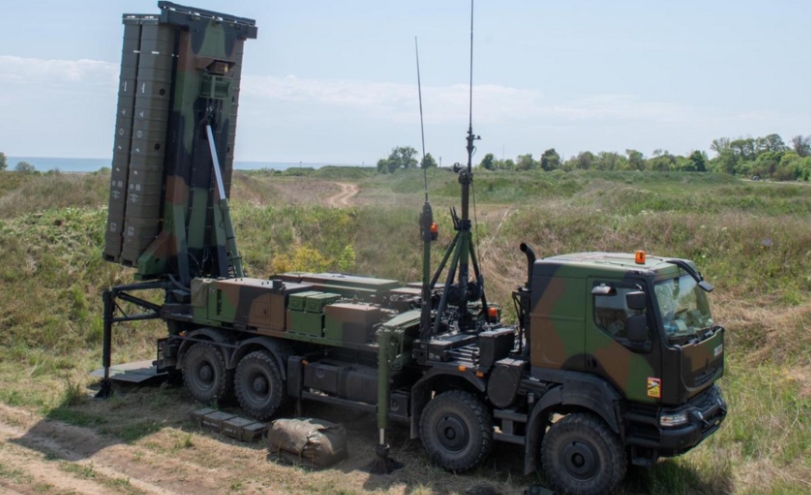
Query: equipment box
(348,322)
(494,345)
(305,323)
(323,375)
(279,298)
(298,301)
(315,303)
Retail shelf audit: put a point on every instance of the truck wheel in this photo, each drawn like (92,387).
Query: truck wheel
(204,374)
(258,384)
(582,456)
(456,430)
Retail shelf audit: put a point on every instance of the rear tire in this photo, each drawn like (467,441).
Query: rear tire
(457,430)
(582,456)
(204,374)
(259,385)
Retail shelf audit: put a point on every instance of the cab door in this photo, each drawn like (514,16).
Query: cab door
(631,367)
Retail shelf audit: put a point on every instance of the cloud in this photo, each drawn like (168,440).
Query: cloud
(621,107)
(54,96)
(45,72)
(449,104)
(387,101)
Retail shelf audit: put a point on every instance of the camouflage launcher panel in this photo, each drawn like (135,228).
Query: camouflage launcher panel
(180,71)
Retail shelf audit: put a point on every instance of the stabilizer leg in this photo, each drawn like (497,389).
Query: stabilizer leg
(383,464)
(106,388)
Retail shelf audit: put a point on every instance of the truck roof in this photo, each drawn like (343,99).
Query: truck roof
(612,262)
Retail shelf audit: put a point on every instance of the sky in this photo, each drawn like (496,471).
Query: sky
(336,82)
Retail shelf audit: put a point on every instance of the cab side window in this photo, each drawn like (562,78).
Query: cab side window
(611,312)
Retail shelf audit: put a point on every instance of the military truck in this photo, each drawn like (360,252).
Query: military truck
(614,357)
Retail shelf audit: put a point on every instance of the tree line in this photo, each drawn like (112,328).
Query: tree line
(22,167)
(403,157)
(762,157)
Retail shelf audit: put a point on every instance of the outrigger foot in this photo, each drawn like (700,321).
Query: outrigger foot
(105,389)
(383,464)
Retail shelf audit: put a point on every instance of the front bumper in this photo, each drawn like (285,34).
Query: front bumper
(705,413)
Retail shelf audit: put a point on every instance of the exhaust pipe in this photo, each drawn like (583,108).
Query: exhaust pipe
(530,261)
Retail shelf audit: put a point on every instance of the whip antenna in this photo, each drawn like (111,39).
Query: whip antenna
(470,103)
(422,125)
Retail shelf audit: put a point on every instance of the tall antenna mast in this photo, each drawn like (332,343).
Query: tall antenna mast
(461,251)
(470,103)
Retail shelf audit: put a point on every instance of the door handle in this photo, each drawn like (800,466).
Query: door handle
(591,362)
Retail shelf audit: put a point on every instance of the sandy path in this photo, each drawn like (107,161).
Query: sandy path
(344,197)
(38,454)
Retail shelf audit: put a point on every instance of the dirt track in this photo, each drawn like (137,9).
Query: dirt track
(38,455)
(343,198)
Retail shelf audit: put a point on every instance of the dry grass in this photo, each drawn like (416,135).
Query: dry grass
(752,241)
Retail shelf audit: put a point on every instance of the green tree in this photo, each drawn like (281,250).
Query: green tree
(507,164)
(744,148)
(662,161)
(525,162)
(400,157)
(3,162)
(726,162)
(719,145)
(488,162)
(767,164)
(550,160)
(773,143)
(585,160)
(636,160)
(697,161)
(407,154)
(24,168)
(428,161)
(608,160)
(801,145)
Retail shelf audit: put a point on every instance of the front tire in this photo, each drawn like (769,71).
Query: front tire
(259,385)
(457,430)
(582,456)
(204,374)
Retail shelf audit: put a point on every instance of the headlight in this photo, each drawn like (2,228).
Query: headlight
(675,419)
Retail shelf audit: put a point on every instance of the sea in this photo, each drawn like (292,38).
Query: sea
(93,164)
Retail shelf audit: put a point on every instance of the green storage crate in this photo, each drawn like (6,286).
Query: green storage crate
(333,329)
(315,302)
(306,323)
(297,301)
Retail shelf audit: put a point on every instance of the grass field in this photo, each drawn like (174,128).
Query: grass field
(751,240)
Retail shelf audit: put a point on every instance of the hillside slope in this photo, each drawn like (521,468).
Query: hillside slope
(752,240)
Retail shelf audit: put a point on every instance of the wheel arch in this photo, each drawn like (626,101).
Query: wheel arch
(451,379)
(211,335)
(575,394)
(279,350)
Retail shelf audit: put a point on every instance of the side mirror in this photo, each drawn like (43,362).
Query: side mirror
(636,300)
(637,329)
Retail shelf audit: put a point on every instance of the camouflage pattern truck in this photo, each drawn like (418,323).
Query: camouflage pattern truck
(614,359)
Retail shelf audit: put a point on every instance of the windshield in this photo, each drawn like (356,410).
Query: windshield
(684,308)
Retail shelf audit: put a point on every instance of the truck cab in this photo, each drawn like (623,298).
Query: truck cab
(629,341)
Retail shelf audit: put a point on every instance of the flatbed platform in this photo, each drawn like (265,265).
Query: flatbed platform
(135,372)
